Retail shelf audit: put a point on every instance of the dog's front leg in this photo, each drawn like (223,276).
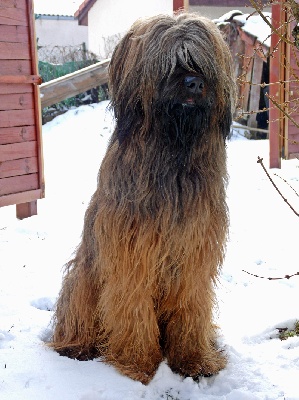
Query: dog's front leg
(131,326)
(189,335)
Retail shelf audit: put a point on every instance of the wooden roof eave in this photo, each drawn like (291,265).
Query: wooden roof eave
(82,13)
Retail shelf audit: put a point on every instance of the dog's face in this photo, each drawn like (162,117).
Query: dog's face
(183,109)
(168,68)
(186,88)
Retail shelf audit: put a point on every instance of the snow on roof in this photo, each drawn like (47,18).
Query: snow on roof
(256,26)
(56,7)
(228,16)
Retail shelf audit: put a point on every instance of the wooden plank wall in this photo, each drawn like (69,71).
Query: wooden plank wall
(21,169)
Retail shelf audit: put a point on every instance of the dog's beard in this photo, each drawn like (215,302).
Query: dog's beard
(182,127)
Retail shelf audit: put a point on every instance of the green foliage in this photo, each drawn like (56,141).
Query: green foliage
(49,71)
(285,333)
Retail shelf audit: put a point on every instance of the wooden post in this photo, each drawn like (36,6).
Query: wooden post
(247,67)
(255,90)
(26,210)
(276,91)
(180,5)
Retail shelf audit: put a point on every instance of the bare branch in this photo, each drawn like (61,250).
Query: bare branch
(271,278)
(285,181)
(260,161)
(282,110)
(256,6)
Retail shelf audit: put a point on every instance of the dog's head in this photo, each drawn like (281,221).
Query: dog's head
(172,68)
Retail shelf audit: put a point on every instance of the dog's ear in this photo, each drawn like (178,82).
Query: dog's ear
(123,128)
(226,121)
(129,120)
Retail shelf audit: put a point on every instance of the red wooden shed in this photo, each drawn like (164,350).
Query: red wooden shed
(21,160)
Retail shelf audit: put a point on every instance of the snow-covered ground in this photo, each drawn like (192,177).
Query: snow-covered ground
(263,241)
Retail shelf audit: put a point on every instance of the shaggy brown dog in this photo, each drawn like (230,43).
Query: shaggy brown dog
(141,285)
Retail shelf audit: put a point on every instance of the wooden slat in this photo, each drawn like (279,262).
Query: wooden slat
(15,67)
(13,15)
(23,166)
(255,90)
(23,197)
(20,101)
(17,150)
(247,66)
(17,134)
(16,118)
(12,51)
(18,184)
(13,4)
(6,88)
(11,33)
(20,79)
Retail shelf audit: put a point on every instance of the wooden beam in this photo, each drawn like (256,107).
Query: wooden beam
(72,84)
(21,197)
(20,79)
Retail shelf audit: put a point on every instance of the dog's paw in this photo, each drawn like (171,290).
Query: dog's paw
(200,365)
(134,372)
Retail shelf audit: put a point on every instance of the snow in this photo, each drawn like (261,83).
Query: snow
(256,26)
(263,241)
(253,24)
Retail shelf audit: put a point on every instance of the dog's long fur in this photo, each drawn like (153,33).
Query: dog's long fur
(141,285)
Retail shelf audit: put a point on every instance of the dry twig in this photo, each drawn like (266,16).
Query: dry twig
(260,161)
(271,278)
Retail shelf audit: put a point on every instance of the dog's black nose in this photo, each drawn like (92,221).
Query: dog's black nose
(194,84)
